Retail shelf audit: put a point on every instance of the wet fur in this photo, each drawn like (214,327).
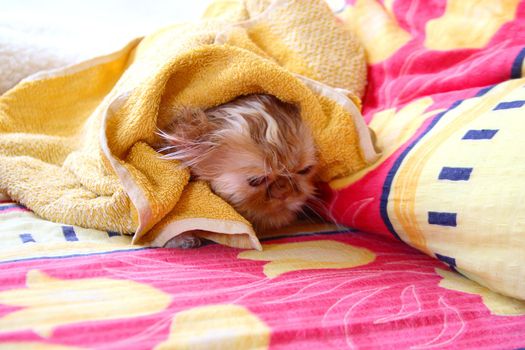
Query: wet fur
(255,152)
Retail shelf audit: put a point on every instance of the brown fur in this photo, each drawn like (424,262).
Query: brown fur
(255,152)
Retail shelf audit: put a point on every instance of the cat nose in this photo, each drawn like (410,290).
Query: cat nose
(281,188)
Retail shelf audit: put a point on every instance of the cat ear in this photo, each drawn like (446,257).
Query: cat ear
(188,137)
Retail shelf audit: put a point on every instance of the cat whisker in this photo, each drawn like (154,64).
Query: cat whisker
(186,156)
(313,211)
(305,215)
(167,148)
(173,138)
(163,134)
(313,201)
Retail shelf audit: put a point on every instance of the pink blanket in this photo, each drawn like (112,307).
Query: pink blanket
(446,99)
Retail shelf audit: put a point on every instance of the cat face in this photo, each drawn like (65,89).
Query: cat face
(267,184)
(255,152)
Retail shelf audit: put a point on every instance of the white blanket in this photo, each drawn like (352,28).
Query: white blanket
(40,35)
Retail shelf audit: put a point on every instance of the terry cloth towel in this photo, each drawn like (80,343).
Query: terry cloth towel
(75,143)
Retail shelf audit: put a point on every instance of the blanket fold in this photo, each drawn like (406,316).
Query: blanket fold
(76,143)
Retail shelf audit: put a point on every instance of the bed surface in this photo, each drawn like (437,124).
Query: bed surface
(318,286)
(314,286)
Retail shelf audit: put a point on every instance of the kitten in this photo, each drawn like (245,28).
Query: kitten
(255,152)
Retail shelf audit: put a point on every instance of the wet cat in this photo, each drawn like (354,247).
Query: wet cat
(255,152)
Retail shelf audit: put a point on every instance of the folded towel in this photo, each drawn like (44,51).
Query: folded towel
(75,143)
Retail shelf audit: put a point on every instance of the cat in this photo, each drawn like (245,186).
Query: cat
(255,152)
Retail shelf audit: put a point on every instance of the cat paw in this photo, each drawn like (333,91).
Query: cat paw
(183,241)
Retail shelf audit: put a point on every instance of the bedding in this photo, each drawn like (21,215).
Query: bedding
(314,285)
(446,100)
(77,144)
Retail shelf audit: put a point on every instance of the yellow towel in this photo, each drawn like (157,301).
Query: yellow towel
(75,143)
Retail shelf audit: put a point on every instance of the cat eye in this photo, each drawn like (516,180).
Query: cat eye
(256,181)
(305,170)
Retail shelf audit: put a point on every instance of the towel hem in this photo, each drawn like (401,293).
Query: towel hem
(177,227)
(363,133)
(137,197)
